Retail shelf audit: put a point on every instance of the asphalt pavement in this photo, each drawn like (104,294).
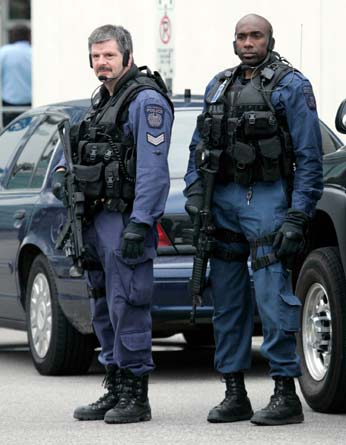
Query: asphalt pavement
(37,410)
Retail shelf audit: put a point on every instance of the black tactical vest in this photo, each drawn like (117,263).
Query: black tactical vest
(104,157)
(241,125)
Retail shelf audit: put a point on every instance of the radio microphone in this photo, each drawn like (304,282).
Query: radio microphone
(106,79)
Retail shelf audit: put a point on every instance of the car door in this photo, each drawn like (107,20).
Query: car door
(20,191)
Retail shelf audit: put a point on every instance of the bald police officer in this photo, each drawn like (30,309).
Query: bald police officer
(120,152)
(260,122)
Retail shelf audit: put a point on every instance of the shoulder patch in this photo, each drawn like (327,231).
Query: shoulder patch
(154,115)
(309,97)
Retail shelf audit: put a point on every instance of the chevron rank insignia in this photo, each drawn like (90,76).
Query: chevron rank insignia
(156,140)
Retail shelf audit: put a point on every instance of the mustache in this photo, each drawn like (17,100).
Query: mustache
(104,68)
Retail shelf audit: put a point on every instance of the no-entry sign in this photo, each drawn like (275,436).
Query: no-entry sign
(165,30)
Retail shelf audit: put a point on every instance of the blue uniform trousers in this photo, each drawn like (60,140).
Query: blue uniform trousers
(278,307)
(122,318)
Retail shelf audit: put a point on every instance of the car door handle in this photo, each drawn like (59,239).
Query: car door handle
(20,214)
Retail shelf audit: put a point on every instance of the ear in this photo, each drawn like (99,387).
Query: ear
(126,58)
(271,43)
(235,47)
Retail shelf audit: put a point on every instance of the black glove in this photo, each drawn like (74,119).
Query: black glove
(132,245)
(290,238)
(58,185)
(194,201)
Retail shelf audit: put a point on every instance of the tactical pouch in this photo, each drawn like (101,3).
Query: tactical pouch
(259,124)
(270,150)
(112,180)
(217,130)
(90,180)
(243,156)
(204,125)
(92,153)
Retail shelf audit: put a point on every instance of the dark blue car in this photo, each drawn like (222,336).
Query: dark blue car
(36,292)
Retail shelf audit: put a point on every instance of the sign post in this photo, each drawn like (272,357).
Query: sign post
(165,41)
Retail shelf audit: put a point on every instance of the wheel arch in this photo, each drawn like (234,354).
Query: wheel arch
(328,225)
(26,257)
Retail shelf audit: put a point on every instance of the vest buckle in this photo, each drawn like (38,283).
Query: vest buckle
(93,153)
(252,118)
(107,155)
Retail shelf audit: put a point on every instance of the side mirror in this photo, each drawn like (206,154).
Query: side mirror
(340,118)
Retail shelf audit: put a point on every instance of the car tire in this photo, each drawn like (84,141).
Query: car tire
(57,348)
(200,336)
(321,287)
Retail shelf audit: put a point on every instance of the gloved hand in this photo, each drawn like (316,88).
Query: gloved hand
(132,245)
(290,238)
(58,185)
(194,201)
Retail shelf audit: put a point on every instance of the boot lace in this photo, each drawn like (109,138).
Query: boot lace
(111,382)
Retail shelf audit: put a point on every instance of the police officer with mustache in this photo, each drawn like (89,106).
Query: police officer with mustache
(120,155)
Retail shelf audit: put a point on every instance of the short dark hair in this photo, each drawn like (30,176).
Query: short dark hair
(20,32)
(112,32)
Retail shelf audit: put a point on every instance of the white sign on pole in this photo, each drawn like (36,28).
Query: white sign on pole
(165,41)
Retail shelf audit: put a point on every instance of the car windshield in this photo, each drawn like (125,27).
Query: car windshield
(183,127)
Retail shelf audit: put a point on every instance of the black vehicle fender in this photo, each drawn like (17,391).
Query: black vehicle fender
(329,221)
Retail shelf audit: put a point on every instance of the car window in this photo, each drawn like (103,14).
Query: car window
(10,139)
(329,143)
(334,167)
(30,168)
(42,165)
(183,128)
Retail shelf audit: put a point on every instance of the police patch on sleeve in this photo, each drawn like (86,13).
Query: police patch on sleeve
(156,140)
(309,97)
(154,114)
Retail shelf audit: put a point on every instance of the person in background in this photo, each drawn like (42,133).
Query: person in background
(15,65)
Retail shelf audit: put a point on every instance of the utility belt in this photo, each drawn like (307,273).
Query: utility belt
(254,147)
(102,175)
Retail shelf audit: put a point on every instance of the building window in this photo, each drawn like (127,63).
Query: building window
(19,9)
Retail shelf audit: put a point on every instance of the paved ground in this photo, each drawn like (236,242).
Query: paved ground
(38,410)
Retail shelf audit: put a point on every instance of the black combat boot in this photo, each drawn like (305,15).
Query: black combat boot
(284,406)
(236,405)
(98,409)
(133,405)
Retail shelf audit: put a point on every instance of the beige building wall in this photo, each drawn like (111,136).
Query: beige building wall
(308,33)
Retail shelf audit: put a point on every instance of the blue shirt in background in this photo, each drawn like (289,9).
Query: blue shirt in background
(15,65)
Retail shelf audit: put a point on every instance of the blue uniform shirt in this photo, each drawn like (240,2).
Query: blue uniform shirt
(15,63)
(292,98)
(150,122)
